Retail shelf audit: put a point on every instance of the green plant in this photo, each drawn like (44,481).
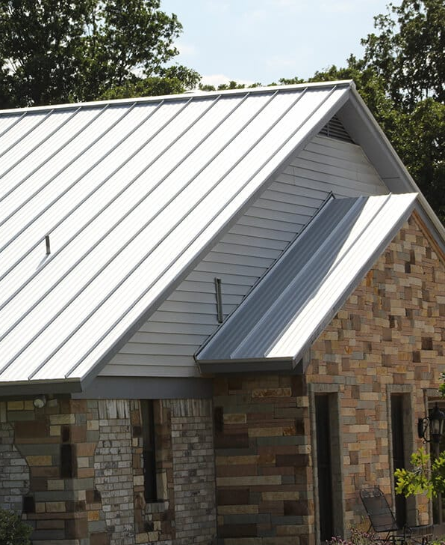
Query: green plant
(13,531)
(427,477)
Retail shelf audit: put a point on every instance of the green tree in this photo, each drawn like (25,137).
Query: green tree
(407,54)
(55,51)
(408,51)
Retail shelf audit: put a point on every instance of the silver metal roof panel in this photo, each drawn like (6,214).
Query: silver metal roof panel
(131,194)
(300,294)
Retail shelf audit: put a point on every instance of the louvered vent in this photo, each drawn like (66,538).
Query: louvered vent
(334,129)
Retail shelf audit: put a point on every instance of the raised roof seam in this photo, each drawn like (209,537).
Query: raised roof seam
(40,189)
(22,137)
(197,204)
(19,118)
(32,150)
(238,192)
(67,215)
(70,270)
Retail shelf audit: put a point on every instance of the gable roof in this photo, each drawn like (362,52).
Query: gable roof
(104,207)
(289,308)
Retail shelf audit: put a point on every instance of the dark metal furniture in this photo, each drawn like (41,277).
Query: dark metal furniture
(383,521)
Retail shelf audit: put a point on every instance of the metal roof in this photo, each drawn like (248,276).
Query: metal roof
(301,293)
(103,207)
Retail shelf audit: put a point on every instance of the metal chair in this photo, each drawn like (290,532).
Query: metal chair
(383,521)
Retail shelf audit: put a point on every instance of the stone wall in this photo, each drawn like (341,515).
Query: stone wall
(193,471)
(75,471)
(263,468)
(14,471)
(388,339)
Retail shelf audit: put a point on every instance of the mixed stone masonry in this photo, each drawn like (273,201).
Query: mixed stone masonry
(387,340)
(74,469)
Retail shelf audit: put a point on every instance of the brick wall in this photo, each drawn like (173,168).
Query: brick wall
(14,471)
(193,471)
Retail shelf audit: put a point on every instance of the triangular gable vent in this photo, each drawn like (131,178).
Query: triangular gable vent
(334,129)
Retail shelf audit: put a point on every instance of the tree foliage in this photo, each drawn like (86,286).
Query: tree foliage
(55,51)
(409,51)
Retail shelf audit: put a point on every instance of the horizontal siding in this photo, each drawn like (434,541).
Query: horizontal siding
(165,345)
(327,164)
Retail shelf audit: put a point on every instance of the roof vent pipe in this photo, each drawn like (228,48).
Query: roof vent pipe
(48,245)
(219,304)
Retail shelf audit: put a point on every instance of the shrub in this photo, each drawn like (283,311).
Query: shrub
(13,531)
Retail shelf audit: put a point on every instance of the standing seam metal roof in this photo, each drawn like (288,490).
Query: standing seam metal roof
(129,194)
(296,299)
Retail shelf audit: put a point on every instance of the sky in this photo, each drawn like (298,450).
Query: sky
(261,41)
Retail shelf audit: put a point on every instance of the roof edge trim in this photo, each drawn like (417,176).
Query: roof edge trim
(181,96)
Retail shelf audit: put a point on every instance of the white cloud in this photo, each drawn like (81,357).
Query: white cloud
(219,79)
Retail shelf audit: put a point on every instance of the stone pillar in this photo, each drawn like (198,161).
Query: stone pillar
(54,445)
(263,446)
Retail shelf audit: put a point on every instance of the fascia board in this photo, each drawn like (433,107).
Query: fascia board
(38,387)
(275,365)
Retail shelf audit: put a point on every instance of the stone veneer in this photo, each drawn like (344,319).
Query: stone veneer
(388,339)
(263,467)
(78,465)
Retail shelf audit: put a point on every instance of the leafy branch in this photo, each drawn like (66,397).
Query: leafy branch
(427,477)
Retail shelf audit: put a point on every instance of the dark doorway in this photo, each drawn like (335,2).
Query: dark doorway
(398,451)
(324,467)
